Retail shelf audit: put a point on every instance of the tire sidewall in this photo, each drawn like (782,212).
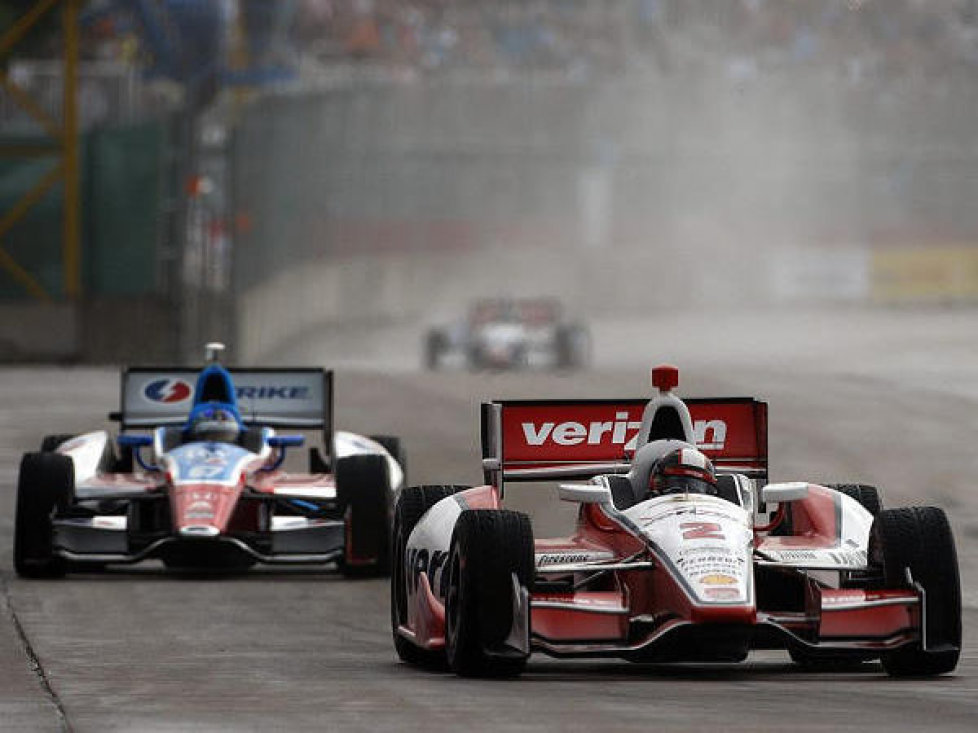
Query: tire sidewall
(45,487)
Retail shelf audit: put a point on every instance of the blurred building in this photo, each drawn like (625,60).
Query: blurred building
(767,139)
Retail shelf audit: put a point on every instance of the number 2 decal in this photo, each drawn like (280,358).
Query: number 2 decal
(701,531)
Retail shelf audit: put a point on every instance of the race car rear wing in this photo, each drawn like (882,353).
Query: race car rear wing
(279,398)
(556,439)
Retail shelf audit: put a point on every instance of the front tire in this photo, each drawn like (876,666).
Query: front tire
(412,504)
(867,496)
(363,489)
(45,486)
(919,539)
(489,547)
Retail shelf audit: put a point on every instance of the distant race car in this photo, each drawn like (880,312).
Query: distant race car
(510,334)
(205,489)
(679,554)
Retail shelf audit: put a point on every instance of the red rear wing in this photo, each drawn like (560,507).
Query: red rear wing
(538,440)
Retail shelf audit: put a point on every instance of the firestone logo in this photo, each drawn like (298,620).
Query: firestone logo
(168,391)
(708,434)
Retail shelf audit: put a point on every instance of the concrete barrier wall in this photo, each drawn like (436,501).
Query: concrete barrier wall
(39,332)
(427,288)
(381,201)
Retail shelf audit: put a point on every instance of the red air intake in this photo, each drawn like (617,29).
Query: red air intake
(665,377)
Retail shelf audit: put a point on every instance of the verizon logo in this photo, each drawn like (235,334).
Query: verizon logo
(708,434)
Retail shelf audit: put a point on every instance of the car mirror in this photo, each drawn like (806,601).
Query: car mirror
(134,440)
(286,441)
(790,491)
(584,493)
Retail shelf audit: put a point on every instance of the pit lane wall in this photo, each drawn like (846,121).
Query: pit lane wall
(364,292)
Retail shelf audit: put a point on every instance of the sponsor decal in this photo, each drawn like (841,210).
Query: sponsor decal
(422,561)
(577,600)
(211,453)
(273,392)
(701,531)
(205,472)
(718,579)
(567,558)
(168,391)
(708,434)
(109,522)
(722,594)
(202,495)
(796,555)
(200,510)
(845,558)
(607,430)
(848,557)
(710,562)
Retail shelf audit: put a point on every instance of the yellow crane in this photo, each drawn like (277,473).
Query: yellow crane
(63,145)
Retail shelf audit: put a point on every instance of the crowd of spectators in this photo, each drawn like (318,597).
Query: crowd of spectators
(856,41)
(741,39)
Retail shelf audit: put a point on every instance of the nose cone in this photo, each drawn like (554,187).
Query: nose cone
(202,511)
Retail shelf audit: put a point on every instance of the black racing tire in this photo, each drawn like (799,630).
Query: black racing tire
(126,461)
(488,547)
(317,464)
(434,345)
(572,344)
(363,490)
(412,504)
(868,496)
(392,444)
(50,443)
(919,539)
(45,487)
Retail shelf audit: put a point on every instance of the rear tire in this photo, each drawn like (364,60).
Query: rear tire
(489,547)
(392,444)
(434,345)
(920,539)
(572,345)
(50,443)
(412,504)
(363,489)
(45,486)
(868,496)
(317,464)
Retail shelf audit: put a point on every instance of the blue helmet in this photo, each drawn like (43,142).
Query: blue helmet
(215,423)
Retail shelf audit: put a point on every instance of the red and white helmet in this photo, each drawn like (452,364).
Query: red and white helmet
(684,470)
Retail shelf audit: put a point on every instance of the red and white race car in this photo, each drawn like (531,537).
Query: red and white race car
(679,553)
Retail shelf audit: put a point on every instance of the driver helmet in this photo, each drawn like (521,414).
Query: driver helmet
(215,424)
(685,470)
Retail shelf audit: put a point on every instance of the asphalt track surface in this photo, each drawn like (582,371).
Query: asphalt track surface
(877,397)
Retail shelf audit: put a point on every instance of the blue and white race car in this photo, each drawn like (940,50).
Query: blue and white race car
(197,480)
